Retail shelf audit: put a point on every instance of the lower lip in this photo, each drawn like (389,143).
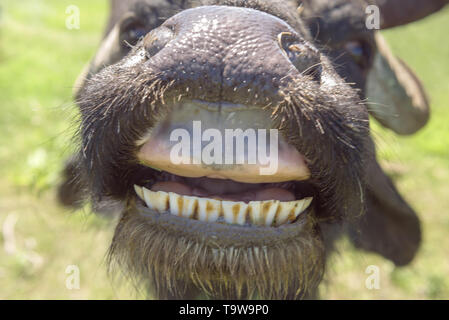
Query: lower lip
(218,235)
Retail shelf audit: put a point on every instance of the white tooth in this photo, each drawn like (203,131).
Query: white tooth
(302,206)
(156,200)
(139,192)
(176,203)
(289,211)
(261,213)
(254,212)
(284,211)
(243,210)
(189,206)
(234,212)
(269,209)
(297,210)
(227,211)
(147,195)
(208,209)
(161,201)
(202,203)
(307,202)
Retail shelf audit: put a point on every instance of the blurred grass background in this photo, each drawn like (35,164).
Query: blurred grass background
(39,62)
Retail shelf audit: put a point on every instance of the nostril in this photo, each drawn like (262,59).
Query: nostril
(156,40)
(305,58)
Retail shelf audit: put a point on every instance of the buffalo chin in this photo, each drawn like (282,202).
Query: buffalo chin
(176,257)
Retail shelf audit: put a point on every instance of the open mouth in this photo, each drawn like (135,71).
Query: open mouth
(227,201)
(227,194)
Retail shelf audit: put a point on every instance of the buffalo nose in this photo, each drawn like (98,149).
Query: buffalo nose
(239,55)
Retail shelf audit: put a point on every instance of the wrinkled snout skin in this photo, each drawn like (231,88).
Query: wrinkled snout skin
(228,54)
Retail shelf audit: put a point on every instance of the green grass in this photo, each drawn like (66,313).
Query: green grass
(39,62)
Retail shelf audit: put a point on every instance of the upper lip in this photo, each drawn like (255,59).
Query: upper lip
(196,117)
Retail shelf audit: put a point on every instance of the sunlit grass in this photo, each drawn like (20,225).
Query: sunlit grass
(39,62)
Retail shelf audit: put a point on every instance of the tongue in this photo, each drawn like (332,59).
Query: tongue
(255,194)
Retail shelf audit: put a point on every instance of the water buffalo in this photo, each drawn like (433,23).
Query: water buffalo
(311,70)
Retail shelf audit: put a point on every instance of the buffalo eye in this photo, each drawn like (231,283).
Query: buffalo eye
(359,51)
(131,31)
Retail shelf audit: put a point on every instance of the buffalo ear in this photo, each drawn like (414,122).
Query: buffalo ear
(399,12)
(389,227)
(397,97)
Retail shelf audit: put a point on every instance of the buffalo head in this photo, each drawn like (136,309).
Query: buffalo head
(302,70)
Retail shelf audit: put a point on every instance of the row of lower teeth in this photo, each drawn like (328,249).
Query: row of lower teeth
(260,213)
